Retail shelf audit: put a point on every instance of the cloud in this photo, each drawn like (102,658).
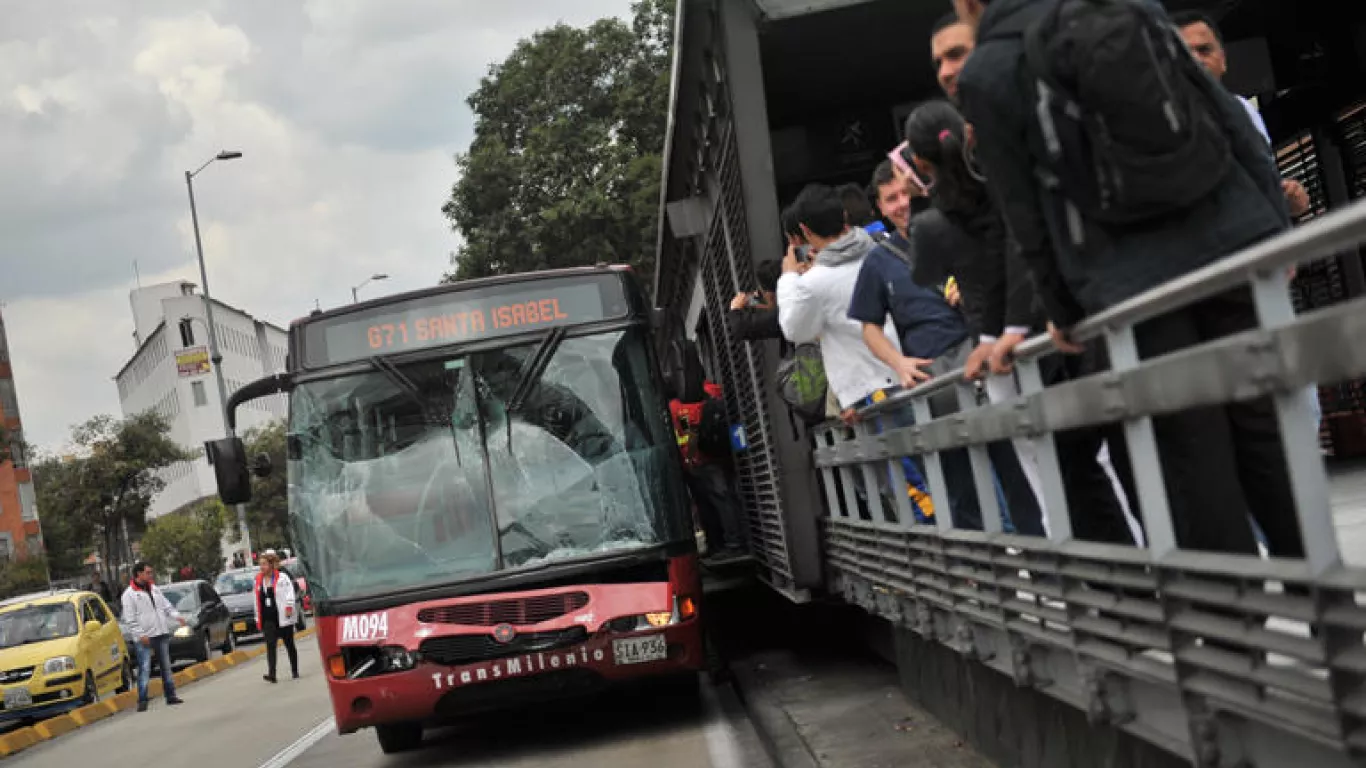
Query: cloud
(348,113)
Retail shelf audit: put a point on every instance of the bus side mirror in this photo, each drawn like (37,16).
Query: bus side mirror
(228,457)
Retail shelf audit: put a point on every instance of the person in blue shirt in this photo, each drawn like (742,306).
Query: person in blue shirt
(934,340)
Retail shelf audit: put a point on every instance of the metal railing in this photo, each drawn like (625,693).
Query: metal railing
(1220,659)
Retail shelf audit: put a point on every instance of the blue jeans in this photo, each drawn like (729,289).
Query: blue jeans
(161,645)
(957,473)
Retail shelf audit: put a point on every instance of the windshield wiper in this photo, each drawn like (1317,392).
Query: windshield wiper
(535,367)
(400,380)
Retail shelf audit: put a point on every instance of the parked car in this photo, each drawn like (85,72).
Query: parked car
(295,569)
(207,621)
(59,650)
(237,590)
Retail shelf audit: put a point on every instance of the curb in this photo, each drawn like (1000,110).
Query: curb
(24,738)
(778,734)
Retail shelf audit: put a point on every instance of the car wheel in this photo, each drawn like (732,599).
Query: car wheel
(92,694)
(204,651)
(399,737)
(229,643)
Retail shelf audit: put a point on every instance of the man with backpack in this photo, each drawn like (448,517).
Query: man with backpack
(1119,165)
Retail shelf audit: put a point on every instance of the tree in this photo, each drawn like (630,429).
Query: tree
(190,537)
(19,577)
(565,164)
(69,524)
(268,511)
(99,498)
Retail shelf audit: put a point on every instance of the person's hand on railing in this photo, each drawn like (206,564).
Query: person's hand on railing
(908,371)
(976,365)
(1062,342)
(1003,352)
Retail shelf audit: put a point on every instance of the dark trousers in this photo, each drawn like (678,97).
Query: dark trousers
(273,632)
(1093,509)
(718,509)
(1221,463)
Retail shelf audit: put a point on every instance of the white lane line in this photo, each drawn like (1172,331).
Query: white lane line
(287,755)
(723,744)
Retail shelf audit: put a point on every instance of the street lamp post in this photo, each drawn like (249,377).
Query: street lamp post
(373,278)
(215,357)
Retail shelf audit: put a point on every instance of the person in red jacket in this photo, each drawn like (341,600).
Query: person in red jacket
(708,480)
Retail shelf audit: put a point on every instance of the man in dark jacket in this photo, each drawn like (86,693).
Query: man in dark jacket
(1218,462)
(754,316)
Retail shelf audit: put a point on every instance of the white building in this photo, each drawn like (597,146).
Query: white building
(170,372)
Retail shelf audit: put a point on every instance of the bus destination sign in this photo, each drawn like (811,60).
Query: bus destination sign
(458,316)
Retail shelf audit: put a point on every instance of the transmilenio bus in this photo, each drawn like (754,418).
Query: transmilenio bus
(486,495)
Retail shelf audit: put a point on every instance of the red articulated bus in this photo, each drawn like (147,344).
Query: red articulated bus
(486,498)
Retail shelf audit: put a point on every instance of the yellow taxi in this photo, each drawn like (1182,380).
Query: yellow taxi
(58,650)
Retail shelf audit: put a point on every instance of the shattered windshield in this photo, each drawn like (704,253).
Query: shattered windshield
(432,471)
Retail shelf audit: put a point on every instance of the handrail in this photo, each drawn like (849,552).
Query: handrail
(1323,236)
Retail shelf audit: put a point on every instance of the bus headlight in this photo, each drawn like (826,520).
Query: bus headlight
(684,608)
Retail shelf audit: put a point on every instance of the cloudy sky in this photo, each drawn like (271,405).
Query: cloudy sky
(349,113)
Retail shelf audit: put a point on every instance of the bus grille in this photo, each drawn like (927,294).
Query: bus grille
(517,611)
(468,649)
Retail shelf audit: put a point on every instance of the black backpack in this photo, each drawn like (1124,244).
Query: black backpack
(713,429)
(1125,114)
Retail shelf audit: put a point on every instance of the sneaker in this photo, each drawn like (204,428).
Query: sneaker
(142,706)
(268,678)
(175,700)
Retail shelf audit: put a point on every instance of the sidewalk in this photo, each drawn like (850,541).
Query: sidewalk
(842,711)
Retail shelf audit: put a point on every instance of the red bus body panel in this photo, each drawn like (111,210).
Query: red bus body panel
(413,695)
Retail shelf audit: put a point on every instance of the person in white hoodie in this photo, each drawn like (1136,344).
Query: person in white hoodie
(813,298)
(149,618)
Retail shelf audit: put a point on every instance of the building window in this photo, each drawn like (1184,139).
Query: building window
(200,398)
(33,545)
(186,333)
(9,402)
(16,449)
(28,502)
(6,548)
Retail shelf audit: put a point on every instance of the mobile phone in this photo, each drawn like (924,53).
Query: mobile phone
(803,253)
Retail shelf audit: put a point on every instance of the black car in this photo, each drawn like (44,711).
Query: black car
(207,621)
(236,588)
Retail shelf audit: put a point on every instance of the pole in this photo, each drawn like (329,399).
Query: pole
(354,299)
(215,357)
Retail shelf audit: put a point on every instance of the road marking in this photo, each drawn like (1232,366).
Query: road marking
(287,755)
(723,747)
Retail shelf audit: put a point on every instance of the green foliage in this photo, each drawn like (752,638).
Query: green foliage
(86,500)
(18,577)
(565,164)
(189,537)
(268,511)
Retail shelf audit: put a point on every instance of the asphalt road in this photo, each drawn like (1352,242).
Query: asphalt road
(236,720)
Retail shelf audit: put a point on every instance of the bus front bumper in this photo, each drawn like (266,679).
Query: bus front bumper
(432,692)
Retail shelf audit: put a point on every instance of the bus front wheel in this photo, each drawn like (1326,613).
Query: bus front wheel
(399,737)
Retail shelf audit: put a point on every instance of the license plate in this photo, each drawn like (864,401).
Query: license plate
(639,650)
(18,697)
(240,626)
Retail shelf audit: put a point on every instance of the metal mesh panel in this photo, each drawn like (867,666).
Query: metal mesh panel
(1323,282)
(726,268)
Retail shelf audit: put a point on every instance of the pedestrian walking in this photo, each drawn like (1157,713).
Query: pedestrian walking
(149,618)
(276,613)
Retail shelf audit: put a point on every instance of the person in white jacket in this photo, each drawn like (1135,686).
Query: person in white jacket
(149,618)
(276,612)
(813,301)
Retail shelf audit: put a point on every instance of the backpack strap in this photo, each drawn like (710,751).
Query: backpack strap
(885,240)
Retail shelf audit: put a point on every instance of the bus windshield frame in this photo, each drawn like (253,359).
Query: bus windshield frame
(401,468)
